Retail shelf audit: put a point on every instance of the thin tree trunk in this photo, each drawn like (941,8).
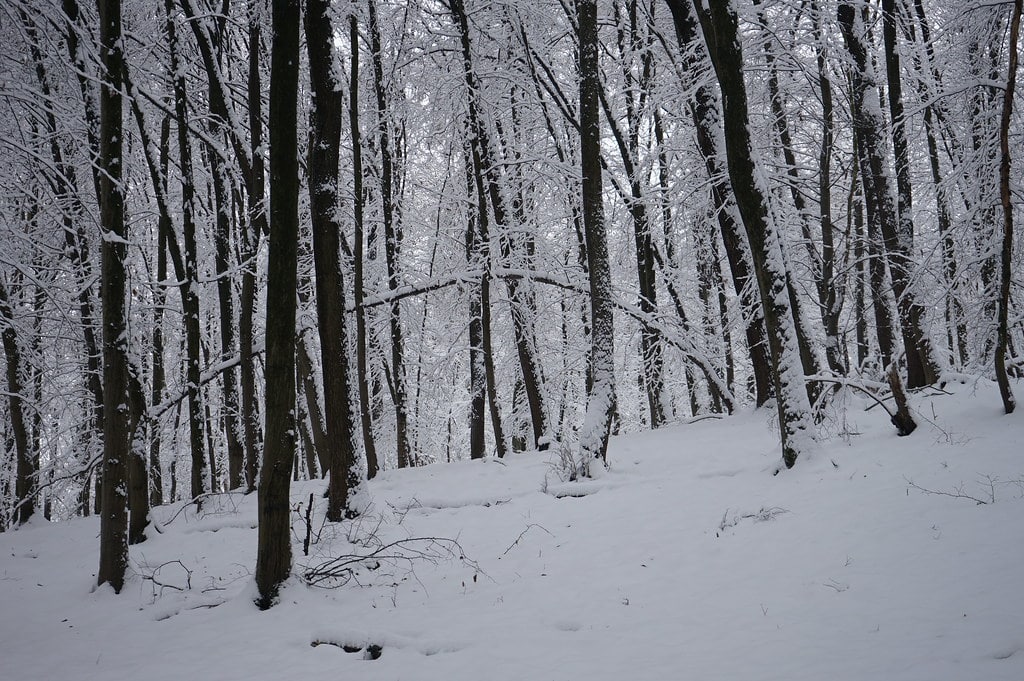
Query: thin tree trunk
(257,228)
(225,296)
(1003,332)
(477,377)
(392,243)
(158,377)
(636,93)
(956,329)
(358,204)
(190,297)
(25,472)
(78,247)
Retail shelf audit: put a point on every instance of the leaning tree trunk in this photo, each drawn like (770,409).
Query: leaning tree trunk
(113,276)
(721,33)
(869,128)
(274,551)
(324,151)
(705,114)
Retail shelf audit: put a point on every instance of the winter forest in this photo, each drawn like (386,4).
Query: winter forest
(246,246)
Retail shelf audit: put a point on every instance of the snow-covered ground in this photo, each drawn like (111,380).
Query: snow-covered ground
(688,560)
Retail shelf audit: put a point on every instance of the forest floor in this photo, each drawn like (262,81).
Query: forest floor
(876,557)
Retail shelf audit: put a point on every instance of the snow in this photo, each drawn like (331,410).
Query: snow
(687,559)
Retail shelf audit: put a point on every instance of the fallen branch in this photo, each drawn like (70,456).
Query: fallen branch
(339,571)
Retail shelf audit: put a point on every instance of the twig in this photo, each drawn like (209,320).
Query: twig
(523,533)
(958,492)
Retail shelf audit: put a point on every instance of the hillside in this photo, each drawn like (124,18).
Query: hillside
(687,560)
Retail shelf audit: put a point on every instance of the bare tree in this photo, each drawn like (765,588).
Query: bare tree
(601,398)
(1003,332)
(116,430)
(720,26)
(324,150)
(274,553)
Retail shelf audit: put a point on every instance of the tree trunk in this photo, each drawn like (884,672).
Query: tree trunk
(274,552)
(324,150)
(392,243)
(189,294)
(358,204)
(956,328)
(706,118)
(25,472)
(721,34)
(1003,331)
(114,252)
(897,233)
(477,375)
(257,228)
(596,429)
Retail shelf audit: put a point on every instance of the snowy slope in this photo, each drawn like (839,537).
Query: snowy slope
(688,560)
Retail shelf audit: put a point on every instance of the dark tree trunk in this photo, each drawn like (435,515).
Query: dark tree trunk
(392,243)
(869,128)
(485,186)
(189,294)
(256,230)
(25,471)
(1002,319)
(324,150)
(477,374)
(597,423)
(274,552)
(721,34)
(706,118)
(116,430)
(225,296)
(158,378)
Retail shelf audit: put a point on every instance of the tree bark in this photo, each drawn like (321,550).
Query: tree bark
(189,294)
(869,127)
(597,423)
(704,111)
(114,252)
(721,34)
(358,205)
(274,552)
(324,151)
(1006,198)
(392,243)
